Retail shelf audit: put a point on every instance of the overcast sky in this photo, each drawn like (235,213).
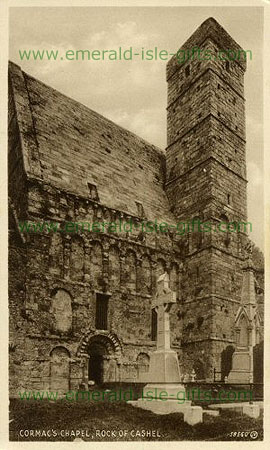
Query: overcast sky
(134,93)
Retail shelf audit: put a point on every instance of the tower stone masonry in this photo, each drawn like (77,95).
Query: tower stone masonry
(81,303)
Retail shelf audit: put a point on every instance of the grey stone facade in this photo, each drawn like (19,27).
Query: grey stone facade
(69,164)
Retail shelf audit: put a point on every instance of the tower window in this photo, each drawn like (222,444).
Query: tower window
(227,65)
(102,311)
(154,325)
(140,209)
(187,71)
(229,199)
(93,192)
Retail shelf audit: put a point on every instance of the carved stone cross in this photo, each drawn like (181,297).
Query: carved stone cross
(162,303)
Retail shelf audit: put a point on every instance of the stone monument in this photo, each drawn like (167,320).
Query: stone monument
(164,392)
(247,325)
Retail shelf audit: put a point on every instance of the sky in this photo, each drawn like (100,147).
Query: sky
(134,93)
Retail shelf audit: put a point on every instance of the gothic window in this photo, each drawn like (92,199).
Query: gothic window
(61,310)
(187,71)
(153,325)
(77,259)
(227,66)
(102,302)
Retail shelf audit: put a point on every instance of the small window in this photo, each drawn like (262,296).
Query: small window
(229,199)
(140,209)
(102,301)
(93,192)
(227,65)
(154,325)
(187,71)
(200,321)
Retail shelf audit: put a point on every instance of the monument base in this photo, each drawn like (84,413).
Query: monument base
(240,372)
(163,398)
(164,391)
(161,407)
(164,367)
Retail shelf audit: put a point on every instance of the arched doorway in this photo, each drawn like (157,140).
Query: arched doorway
(198,367)
(226,361)
(100,354)
(97,354)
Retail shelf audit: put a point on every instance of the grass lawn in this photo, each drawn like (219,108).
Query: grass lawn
(46,419)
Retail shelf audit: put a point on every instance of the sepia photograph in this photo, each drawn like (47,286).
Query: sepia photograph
(135,223)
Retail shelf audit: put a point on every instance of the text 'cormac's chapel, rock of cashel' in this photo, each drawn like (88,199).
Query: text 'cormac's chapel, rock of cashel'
(80,303)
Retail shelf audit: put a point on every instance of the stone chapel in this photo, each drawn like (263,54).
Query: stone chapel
(80,304)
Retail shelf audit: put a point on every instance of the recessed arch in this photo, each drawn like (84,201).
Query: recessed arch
(61,309)
(109,340)
(59,369)
(77,257)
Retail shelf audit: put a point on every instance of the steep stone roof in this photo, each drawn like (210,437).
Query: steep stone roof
(209,29)
(68,145)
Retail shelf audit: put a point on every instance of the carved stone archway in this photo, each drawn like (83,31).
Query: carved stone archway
(101,355)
